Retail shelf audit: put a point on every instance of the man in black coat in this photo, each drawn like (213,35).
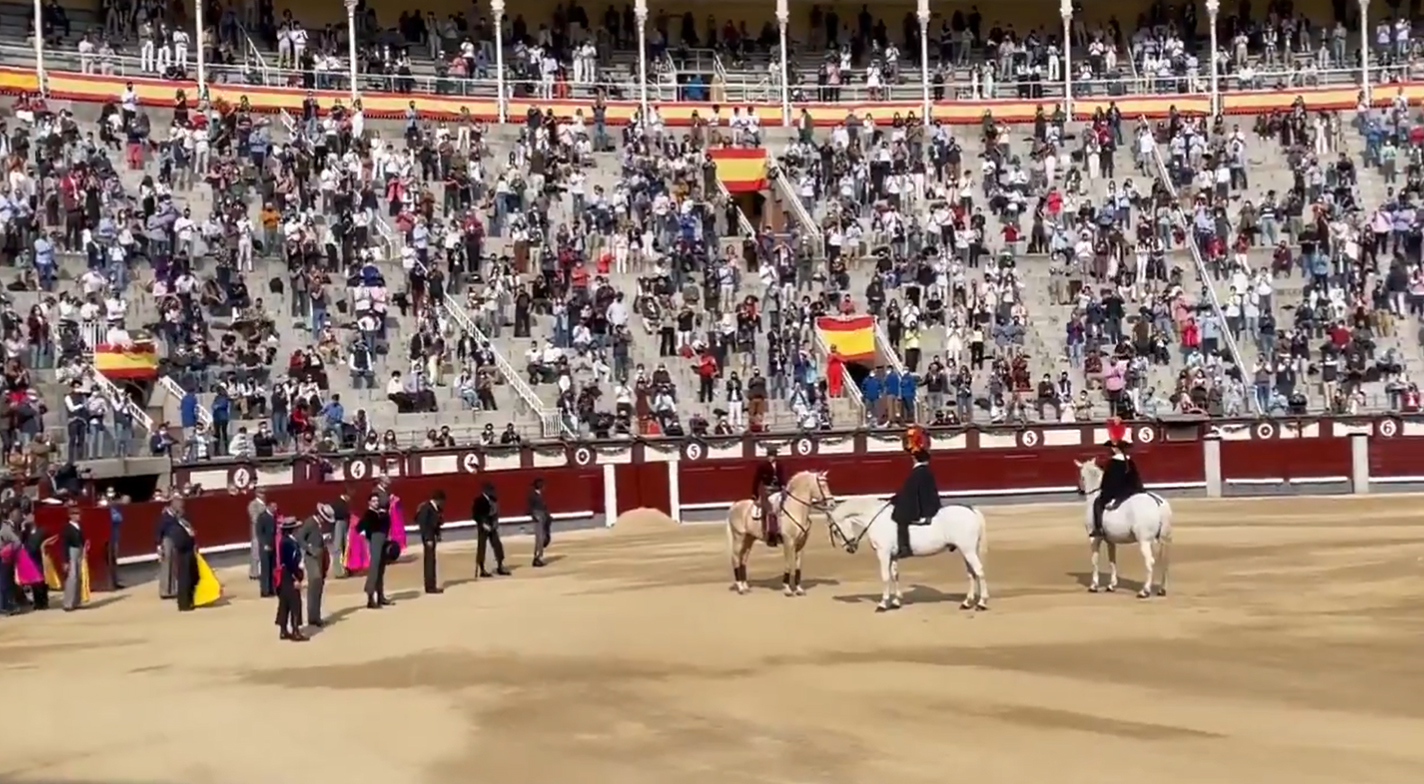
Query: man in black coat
(916,503)
(543,524)
(287,552)
(1120,482)
(770,478)
(265,527)
(375,525)
(429,518)
(486,516)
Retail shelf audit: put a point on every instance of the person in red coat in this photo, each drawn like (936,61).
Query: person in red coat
(835,373)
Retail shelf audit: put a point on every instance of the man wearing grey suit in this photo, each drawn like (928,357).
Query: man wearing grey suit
(256,507)
(312,539)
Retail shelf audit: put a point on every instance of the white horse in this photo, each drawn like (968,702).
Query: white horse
(1145,518)
(959,528)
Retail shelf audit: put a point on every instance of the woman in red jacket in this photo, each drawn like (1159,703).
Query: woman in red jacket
(835,373)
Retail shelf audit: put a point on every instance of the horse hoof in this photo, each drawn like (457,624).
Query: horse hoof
(895,604)
(786,591)
(800,591)
(1144,594)
(882,607)
(1111,589)
(967,604)
(741,590)
(981,607)
(1161,591)
(1093,589)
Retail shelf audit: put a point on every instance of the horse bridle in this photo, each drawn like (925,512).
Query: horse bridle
(851,545)
(823,505)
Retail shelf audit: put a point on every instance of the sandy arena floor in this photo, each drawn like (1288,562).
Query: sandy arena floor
(1289,650)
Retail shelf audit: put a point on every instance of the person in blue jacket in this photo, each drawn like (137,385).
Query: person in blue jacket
(871,389)
(892,395)
(908,385)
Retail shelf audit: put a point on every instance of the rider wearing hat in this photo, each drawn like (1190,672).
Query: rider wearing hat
(770,478)
(1120,478)
(917,502)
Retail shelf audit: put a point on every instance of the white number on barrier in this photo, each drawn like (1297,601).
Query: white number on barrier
(1030,438)
(1389,428)
(1146,435)
(470,463)
(804,446)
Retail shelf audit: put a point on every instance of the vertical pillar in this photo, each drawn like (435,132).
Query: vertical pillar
(783,18)
(1359,463)
(202,55)
(1213,8)
(1211,466)
(923,12)
(674,492)
(39,46)
(350,46)
(1065,9)
(501,110)
(610,494)
(1365,50)
(640,12)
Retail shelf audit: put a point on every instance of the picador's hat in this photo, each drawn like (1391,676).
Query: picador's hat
(290,522)
(1117,434)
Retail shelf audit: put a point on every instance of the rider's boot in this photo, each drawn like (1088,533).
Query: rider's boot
(1097,520)
(902,534)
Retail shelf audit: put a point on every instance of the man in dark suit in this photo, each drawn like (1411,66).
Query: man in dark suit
(375,525)
(486,516)
(312,538)
(539,512)
(916,503)
(429,518)
(340,532)
(265,527)
(288,567)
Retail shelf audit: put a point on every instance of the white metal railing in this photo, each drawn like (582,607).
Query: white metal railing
(173,388)
(883,345)
(119,398)
(742,85)
(1202,274)
(252,56)
(852,390)
(290,124)
(742,222)
(550,423)
(792,200)
(93,333)
(387,235)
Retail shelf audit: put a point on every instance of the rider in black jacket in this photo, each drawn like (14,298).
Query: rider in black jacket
(916,503)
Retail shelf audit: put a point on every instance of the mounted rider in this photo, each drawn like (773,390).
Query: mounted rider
(1120,478)
(918,500)
(770,479)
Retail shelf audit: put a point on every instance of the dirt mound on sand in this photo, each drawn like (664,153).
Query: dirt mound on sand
(643,521)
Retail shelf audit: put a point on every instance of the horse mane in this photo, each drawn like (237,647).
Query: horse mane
(1091,469)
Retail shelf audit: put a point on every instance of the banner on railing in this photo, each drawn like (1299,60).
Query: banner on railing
(741,169)
(853,337)
(136,361)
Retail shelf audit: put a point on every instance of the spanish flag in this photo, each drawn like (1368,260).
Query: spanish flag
(853,337)
(741,169)
(136,361)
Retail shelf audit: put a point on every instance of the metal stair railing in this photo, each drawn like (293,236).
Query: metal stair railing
(205,417)
(551,425)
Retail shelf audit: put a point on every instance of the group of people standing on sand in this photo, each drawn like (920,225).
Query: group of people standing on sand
(33,563)
(291,558)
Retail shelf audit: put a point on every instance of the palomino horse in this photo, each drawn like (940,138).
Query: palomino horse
(959,528)
(1145,518)
(805,494)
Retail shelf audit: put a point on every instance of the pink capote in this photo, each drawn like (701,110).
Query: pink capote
(358,552)
(26,571)
(398,525)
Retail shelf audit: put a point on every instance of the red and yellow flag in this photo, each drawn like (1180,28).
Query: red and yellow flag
(136,361)
(741,169)
(853,337)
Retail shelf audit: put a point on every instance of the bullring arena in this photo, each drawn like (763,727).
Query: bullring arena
(1287,651)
